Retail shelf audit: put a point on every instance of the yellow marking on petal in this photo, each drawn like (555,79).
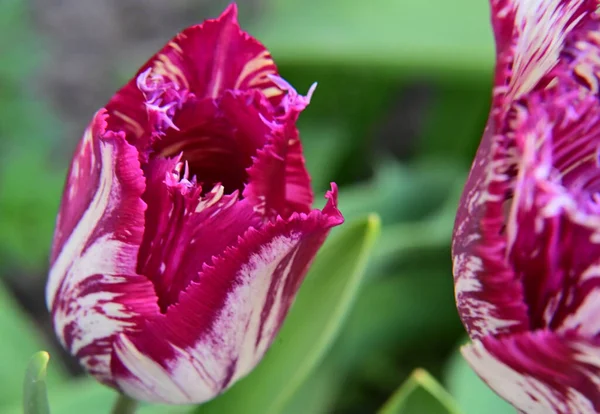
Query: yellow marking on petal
(165,67)
(217,193)
(216,84)
(552,83)
(594,36)
(135,126)
(272,91)
(175,46)
(587,73)
(259,66)
(255,64)
(87,136)
(261,78)
(579,163)
(177,147)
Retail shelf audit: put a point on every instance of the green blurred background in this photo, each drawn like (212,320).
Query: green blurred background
(403,96)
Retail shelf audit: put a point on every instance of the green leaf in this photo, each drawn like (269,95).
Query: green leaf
(312,325)
(419,379)
(35,400)
(19,341)
(436,36)
(471,393)
(318,393)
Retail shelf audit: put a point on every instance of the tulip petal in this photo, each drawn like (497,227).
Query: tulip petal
(540,372)
(279,184)
(224,322)
(219,138)
(185,229)
(206,59)
(93,289)
(529,37)
(489,294)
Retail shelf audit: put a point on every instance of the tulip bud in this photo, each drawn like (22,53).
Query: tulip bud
(526,244)
(185,228)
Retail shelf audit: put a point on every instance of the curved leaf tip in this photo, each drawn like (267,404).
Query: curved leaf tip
(35,398)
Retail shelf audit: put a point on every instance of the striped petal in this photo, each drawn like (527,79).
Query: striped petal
(218,138)
(93,290)
(279,183)
(185,229)
(540,372)
(206,60)
(553,227)
(530,35)
(532,39)
(225,321)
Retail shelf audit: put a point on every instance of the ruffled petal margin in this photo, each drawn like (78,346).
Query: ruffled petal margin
(93,290)
(223,323)
(540,372)
(184,229)
(530,37)
(279,183)
(205,60)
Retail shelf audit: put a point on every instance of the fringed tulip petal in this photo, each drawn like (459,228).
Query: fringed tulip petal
(526,243)
(540,372)
(278,181)
(93,288)
(186,227)
(208,59)
(225,321)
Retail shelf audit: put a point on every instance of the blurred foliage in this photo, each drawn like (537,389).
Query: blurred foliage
(395,150)
(20,339)
(405,399)
(29,181)
(433,38)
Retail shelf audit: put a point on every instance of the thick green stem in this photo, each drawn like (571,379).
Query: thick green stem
(124,405)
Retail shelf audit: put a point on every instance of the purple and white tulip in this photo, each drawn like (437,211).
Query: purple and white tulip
(185,228)
(526,245)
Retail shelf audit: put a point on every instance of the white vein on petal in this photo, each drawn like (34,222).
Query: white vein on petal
(526,393)
(97,315)
(482,315)
(198,372)
(542,27)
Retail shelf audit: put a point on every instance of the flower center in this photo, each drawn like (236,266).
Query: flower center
(217,138)
(212,159)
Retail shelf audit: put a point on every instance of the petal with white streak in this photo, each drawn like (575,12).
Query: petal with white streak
(224,322)
(93,290)
(540,372)
(206,59)
(530,37)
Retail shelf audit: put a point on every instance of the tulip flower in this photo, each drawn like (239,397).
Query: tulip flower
(185,228)
(526,244)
